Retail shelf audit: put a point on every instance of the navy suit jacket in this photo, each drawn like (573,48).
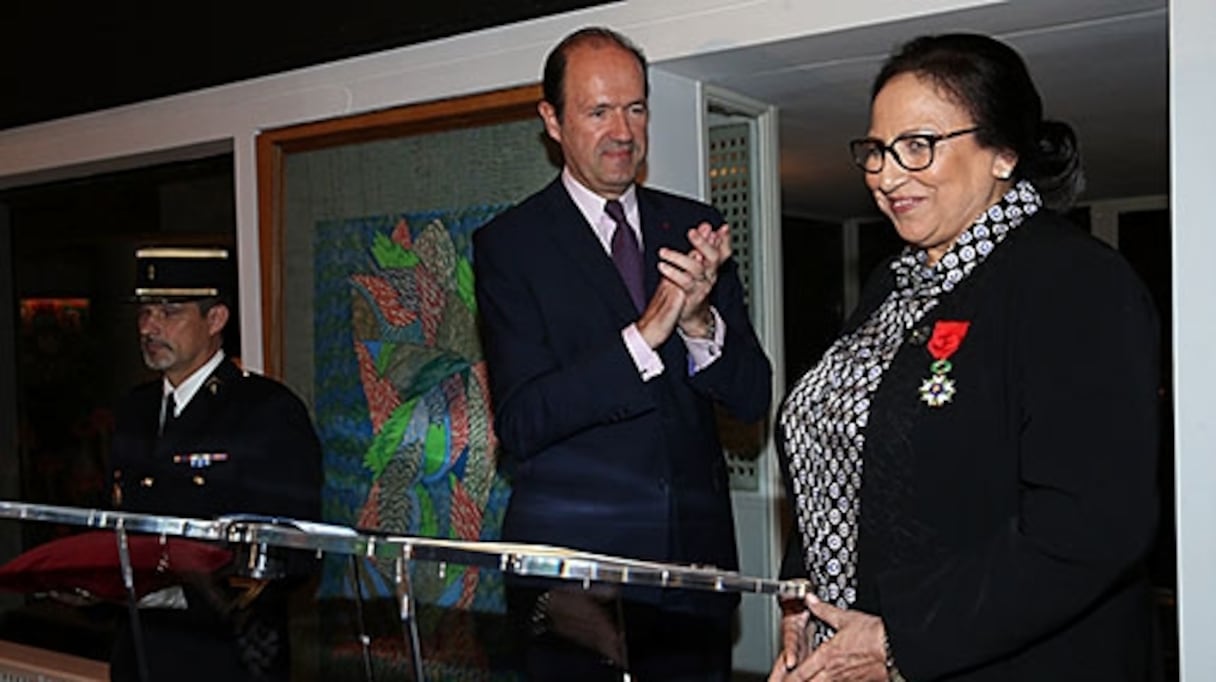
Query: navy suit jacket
(600,460)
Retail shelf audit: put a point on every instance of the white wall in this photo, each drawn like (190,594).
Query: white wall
(1192,154)
(677,135)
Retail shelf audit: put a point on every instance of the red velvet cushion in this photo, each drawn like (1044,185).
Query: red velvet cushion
(89,562)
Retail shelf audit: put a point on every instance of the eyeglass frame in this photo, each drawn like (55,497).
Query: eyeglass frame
(930,138)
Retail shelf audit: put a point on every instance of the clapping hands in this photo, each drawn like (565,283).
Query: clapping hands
(682,297)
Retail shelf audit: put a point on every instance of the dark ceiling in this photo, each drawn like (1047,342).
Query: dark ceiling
(62,57)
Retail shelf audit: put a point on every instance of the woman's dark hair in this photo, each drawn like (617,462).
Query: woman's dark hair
(554,79)
(989,79)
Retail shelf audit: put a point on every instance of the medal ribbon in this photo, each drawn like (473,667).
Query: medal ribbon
(948,335)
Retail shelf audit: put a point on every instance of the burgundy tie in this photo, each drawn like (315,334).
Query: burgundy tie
(626,254)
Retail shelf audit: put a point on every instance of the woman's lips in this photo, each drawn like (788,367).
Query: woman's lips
(903,204)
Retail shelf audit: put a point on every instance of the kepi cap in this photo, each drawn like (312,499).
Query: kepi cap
(181,273)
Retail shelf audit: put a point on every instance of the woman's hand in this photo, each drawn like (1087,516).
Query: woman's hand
(857,653)
(795,638)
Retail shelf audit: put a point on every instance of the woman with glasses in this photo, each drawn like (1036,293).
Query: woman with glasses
(972,462)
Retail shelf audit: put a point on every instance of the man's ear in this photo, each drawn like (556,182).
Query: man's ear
(552,125)
(217,318)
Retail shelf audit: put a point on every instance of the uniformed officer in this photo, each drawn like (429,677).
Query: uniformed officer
(207,439)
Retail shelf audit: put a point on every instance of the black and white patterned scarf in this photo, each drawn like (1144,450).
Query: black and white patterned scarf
(824,418)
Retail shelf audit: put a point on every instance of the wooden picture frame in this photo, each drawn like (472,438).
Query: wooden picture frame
(273,146)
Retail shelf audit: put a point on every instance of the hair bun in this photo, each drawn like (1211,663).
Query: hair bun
(1056,171)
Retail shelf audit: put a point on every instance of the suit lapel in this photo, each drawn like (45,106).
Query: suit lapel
(148,407)
(570,234)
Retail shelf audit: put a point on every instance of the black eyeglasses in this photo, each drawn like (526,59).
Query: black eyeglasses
(913,151)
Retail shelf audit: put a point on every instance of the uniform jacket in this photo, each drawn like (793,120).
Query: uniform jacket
(1002,534)
(254,446)
(244,444)
(602,461)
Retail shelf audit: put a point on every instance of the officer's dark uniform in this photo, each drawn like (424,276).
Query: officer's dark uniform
(243,444)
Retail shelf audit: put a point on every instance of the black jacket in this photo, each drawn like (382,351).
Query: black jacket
(254,452)
(1002,535)
(271,456)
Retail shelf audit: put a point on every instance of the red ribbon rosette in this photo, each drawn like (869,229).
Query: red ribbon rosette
(948,335)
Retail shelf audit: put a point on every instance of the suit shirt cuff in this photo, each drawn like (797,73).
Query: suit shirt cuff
(648,362)
(704,352)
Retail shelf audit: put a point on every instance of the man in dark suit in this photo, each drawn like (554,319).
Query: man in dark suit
(204,440)
(605,379)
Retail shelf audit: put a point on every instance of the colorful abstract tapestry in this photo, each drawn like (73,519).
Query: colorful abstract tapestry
(402,399)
